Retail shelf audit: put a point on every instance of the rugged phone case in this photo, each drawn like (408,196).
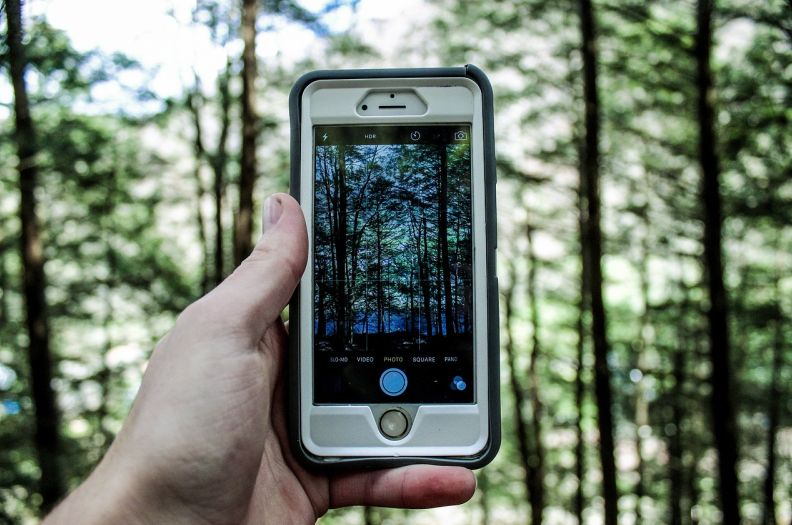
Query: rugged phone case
(293,361)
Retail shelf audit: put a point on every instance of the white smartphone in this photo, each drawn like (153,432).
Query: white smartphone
(394,326)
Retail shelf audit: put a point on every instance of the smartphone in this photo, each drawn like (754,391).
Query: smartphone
(394,325)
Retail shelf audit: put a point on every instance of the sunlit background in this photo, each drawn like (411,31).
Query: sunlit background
(138,219)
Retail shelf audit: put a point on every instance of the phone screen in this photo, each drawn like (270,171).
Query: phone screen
(392,265)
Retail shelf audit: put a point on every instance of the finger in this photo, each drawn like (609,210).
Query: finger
(413,487)
(253,296)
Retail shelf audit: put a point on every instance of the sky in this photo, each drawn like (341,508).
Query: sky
(159,34)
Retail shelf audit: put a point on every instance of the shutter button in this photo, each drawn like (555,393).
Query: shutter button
(393,423)
(393,382)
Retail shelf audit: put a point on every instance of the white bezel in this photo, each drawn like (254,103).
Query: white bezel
(437,430)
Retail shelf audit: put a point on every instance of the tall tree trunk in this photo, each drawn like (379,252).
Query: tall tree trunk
(675,465)
(460,324)
(592,256)
(321,290)
(773,413)
(4,286)
(199,151)
(580,390)
(370,516)
(442,226)
(425,282)
(644,342)
(47,419)
(483,490)
(723,411)
(247,172)
(104,375)
(380,291)
(219,160)
(520,425)
(341,247)
(537,450)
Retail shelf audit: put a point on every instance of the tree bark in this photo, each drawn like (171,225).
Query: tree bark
(47,419)
(380,291)
(483,490)
(247,172)
(369,516)
(520,426)
(218,161)
(199,152)
(773,413)
(537,450)
(722,402)
(341,247)
(442,226)
(641,404)
(675,465)
(592,256)
(425,280)
(580,389)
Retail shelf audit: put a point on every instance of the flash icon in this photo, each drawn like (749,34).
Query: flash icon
(324,137)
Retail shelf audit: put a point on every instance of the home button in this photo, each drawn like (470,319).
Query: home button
(393,423)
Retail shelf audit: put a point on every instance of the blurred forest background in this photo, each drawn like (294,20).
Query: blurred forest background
(645,204)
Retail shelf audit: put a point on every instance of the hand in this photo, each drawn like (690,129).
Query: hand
(205,441)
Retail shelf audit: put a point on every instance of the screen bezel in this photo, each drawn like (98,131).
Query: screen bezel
(449,101)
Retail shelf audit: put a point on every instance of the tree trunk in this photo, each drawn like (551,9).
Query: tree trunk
(247,172)
(219,160)
(200,192)
(537,450)
(592,255)
(369,516)
(4,287)
(321,291)
(425,282)
(675,466)
(723,412)
(47,419)
(641,404)
(483,490)
(580,391)
(520,426)
(380,291)
(104,374)
(341,247)
(773,413)
(442,227)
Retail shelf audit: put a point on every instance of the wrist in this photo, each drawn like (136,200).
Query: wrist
(111,494)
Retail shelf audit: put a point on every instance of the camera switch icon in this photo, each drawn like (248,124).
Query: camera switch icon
(460,135)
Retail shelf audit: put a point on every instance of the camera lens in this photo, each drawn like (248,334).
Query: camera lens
(364,107)
(393,96)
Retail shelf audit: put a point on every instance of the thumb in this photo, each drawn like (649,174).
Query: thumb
(254,295)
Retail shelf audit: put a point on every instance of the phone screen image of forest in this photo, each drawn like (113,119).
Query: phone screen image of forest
(392,265)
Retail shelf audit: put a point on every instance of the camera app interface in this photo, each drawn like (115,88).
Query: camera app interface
(393,281)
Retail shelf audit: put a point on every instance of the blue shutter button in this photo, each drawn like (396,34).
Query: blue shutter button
(393,382)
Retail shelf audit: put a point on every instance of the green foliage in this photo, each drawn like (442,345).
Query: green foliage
(118,203)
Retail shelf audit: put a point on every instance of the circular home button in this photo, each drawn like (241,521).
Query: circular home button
(393,382)
(393,423)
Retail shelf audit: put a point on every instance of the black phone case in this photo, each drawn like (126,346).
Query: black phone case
(493,342)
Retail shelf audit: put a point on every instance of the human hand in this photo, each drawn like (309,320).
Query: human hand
(205,441)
